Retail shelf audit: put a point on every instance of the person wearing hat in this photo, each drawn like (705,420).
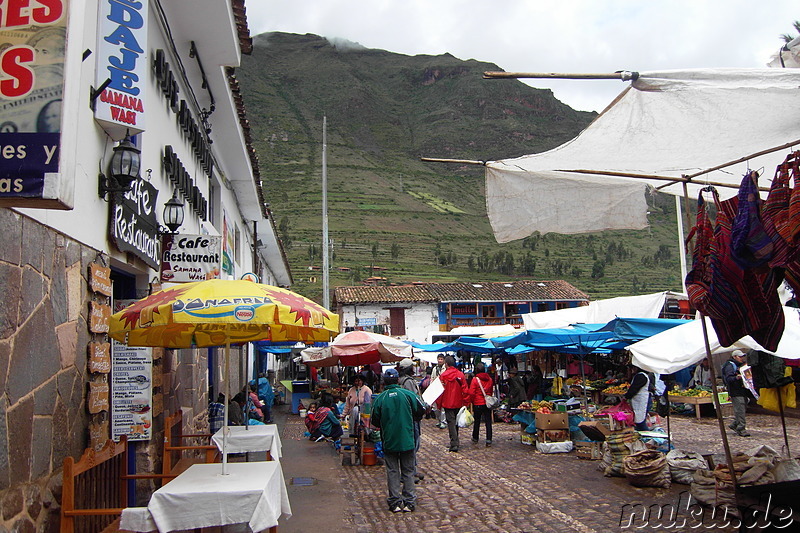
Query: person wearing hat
(737,391)
(394,412)
(516,388)
(408,382)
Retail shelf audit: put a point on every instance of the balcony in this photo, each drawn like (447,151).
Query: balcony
(484,321)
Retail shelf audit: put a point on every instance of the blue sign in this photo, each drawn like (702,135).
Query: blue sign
(25,158)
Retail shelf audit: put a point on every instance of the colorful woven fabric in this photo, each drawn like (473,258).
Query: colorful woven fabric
(775,216)
(738,301)
(751,246)
(748,298)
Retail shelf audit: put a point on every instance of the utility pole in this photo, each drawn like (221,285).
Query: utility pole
(326,297)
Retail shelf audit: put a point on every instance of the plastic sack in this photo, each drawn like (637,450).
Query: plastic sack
(683,464)
(554,447)
(768,398)
(464,418)
(787,470)
(647,468)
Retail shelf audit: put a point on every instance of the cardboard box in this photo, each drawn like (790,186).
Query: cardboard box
(552,435)
(592,451)
(527,438)
(595,430)
(552,421)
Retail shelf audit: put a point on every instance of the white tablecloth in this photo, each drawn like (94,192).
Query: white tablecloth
(253,439)
(252,493)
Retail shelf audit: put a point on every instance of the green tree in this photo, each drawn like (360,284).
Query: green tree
(788,37)
(598,270)
(395,250)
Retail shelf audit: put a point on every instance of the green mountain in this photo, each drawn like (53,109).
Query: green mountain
(396,217)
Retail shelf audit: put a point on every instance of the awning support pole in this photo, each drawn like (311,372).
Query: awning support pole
(623,75)
(715,397)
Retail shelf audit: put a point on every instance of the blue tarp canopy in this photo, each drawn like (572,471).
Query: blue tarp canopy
(636,329)
(587,338)
(580,339)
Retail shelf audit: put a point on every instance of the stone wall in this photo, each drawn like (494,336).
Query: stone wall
(44,335)
(43,371)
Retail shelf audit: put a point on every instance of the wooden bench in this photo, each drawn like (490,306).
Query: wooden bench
(175,460)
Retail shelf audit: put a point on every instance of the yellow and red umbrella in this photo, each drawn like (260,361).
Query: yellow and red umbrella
(219,312)
(222,312)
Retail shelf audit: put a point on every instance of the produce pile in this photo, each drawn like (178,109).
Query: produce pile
(601,384)
(622,388)
(541,407)
(699,393)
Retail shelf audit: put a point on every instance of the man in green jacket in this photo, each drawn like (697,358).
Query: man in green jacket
(394,412)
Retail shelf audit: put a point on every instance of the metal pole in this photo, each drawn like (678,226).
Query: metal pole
(622,75)
(326,297)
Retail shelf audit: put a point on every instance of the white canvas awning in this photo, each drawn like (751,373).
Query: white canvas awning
(681,346)
(600,311)
(668,124)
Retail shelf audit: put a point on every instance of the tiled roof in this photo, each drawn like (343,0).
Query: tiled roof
(507,291)
(245,41)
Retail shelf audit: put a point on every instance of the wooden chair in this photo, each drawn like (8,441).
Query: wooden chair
(95,489)
(94,492)
(175,460)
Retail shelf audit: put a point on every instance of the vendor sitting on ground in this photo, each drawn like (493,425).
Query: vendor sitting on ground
(322,423)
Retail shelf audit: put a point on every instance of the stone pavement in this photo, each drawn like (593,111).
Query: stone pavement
(509,487)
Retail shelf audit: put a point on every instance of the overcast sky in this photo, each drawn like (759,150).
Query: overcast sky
(574,36)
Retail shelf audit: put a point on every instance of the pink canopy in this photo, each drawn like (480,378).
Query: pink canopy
(357,348)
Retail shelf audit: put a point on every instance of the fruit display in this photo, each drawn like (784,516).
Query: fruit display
(601,384)
(698,393)
(622,388)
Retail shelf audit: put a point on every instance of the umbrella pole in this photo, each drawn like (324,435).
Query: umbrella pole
(225,427)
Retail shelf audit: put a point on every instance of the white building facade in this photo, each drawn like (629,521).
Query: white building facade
(78,77)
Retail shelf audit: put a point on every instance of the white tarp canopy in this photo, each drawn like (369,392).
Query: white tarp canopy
(669,124)
(681,346)
(599,312)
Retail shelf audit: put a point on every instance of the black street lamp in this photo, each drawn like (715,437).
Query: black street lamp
(123,170)
(173,213)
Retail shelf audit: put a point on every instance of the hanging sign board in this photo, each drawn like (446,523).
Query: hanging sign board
(134,227)
(121,67)
(32,44)
(100,357)
(100,279)
(98,396)
(131,392)
(186,258)
(99,316)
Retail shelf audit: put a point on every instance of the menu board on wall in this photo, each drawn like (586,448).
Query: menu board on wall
(131,391)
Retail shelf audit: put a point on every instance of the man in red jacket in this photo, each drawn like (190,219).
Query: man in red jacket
(453,398)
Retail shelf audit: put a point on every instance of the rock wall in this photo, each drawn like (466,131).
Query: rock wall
(44,378)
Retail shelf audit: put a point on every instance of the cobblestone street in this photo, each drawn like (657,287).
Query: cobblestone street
(510,487)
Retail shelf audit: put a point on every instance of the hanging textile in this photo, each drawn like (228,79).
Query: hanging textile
(738,301)
(778,223)
(751,246)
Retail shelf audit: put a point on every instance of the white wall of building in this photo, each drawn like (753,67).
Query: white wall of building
(86,149)
(421,318)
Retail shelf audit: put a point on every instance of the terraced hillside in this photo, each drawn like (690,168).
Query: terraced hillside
(393,216)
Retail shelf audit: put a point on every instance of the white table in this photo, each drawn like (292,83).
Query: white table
(251,493)
(253,439)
